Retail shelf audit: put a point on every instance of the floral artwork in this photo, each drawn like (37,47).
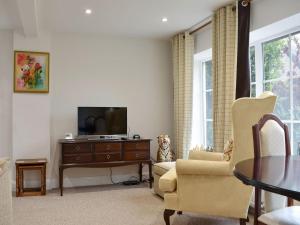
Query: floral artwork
(31,72)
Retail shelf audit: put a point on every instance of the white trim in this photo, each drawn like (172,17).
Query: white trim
(199,111)
(275,30)
(204,55)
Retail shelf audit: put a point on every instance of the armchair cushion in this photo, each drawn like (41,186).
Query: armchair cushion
(202,167)
(204,155)
(284,216)
(168,181)
(162,167)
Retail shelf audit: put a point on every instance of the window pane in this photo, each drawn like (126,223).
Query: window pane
(276,58)
(295,43)
(209,134)
(253,90)
(208,75)
(209,105)
(296,142)
(296,95)
(252,63)
(282,90)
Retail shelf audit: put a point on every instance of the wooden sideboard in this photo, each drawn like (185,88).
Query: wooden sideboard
(104,153)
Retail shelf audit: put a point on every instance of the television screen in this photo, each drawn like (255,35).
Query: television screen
(102,120)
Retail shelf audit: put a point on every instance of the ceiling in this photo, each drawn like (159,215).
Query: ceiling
(129,18)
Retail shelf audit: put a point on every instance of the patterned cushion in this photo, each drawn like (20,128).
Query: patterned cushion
(228,150)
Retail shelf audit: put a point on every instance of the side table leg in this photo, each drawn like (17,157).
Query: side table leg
(141,172)
(21,184)
(150,174)
(17,182)
(61,180)
(43,180)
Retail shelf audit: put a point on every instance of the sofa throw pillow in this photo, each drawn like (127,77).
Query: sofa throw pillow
(228,150)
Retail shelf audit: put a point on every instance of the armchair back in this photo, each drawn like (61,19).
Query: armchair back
(245,113)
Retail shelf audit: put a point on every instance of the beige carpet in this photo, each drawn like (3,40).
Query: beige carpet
(103,205)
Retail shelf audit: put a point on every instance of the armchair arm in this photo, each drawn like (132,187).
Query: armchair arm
(203,155)
(168,181)
(202,167)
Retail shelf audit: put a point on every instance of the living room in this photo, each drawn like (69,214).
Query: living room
(122,54)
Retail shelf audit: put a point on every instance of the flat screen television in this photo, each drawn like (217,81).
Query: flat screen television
(102,121)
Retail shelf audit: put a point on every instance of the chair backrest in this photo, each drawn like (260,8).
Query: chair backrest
(245,113)
(271,138)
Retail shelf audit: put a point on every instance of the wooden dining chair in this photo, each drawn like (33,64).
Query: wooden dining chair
(271,138)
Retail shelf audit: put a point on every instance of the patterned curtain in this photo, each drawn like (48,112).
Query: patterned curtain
(224,73)
(183,50)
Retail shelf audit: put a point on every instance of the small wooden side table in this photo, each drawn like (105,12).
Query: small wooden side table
(30,164)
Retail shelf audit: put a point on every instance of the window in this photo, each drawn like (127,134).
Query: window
(275,66)
(202,133)
(207,94)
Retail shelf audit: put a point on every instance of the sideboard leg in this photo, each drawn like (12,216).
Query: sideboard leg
(150,174)
(61,180)
(141,172)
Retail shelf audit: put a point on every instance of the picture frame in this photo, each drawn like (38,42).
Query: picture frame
(31,72)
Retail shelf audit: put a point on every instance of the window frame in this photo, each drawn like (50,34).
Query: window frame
(259,74)
(199,60)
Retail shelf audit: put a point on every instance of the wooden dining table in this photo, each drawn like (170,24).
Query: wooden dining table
(277,174)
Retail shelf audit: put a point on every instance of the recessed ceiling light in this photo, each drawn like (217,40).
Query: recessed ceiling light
(88,11)
(164,19)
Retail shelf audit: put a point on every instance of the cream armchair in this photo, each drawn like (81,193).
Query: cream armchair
(205,183)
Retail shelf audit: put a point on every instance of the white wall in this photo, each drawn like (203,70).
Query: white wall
(99,71)
(31,112)
(263,13)
(6,87)
(203,39)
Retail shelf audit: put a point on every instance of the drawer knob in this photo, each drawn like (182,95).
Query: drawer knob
(77,148)
(137,155)
(77,158)
(107,147)
(107,156)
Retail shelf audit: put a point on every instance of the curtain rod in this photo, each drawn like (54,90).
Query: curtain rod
(244,3)
(201,27)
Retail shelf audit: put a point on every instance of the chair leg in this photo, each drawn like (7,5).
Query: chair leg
(243,221)
(167,214)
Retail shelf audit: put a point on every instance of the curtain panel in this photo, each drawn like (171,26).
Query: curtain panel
(224,49)
(183,51)
(243,71)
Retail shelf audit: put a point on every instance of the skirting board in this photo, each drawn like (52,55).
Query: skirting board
(80,181)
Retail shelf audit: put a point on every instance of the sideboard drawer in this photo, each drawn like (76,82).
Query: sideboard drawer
(108,157)
(77,148)
(108,147)
(138,145)
(79,158)
(136,155)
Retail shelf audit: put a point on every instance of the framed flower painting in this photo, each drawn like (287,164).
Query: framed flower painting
(31,72)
